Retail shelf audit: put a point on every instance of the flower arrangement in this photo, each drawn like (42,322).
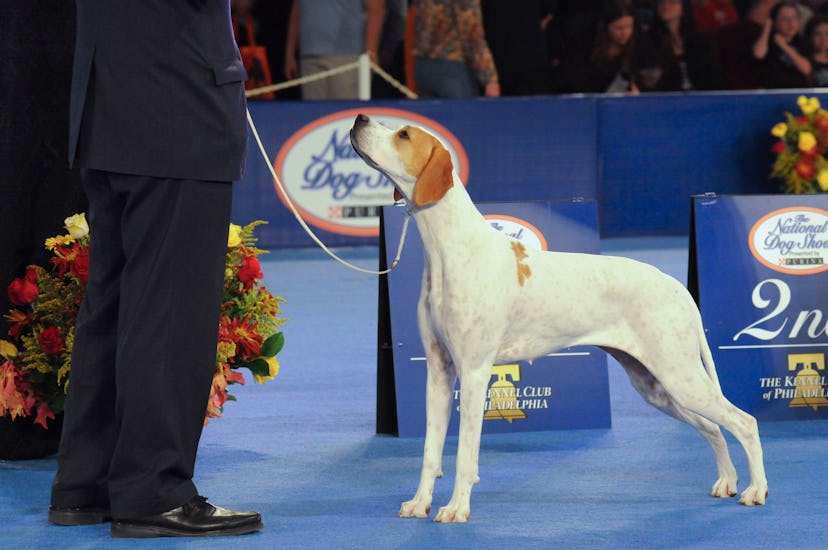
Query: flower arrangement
(800,150)
(35,360)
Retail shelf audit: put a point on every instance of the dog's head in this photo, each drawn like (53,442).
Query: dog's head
(418,164)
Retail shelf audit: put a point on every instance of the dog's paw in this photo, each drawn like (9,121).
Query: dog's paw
(414,508)
(724,488)
(453,514)
(754,495)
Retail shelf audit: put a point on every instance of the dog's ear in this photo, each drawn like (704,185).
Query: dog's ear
(435,179)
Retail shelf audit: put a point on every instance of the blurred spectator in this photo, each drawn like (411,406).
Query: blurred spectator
(557,50)
(779,47)
(390,51)
(247,31)
(451,55)
(621,60)
(326,34)
(712,14)
(644,12)
(741,70)
(273,16)
(686,54)
(522,65)
(816,44)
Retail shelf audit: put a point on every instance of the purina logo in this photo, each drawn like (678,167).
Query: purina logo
(792,240)
(331,186)
(518,229)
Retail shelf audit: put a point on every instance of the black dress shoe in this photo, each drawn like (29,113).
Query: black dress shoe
(196,518)
(78,516)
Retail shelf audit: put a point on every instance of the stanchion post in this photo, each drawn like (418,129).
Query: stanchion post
(364,76)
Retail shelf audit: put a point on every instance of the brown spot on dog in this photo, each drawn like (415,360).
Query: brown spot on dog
(523,269)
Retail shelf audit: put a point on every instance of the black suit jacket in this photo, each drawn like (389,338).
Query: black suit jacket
(157,90)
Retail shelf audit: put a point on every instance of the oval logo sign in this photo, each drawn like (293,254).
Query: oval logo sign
(792,240)
(518,229)
(331,186)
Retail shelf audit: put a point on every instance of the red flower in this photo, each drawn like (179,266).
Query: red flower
(805,168)
(821,122)
(80,267)
(249,271)
(65,257)
(778,147)
(244,335)
(22,292)
(802,119)
(51,341)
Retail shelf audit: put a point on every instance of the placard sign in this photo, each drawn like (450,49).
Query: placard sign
(565,390)
(762,269)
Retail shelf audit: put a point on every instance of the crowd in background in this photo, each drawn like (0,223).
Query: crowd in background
(466,48)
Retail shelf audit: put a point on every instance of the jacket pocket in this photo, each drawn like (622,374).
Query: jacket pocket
(229,71)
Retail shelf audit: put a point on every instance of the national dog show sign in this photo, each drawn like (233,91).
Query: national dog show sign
(762,266)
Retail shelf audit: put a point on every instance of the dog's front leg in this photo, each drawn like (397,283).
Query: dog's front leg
(439,388)
(473,385)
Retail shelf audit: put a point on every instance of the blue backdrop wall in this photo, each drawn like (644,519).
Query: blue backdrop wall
(641,157)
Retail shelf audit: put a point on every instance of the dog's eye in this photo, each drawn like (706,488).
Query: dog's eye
(402,134)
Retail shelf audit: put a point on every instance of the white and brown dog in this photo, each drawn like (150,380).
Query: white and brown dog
(486,299)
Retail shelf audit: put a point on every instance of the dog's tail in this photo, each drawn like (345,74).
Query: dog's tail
(707,356)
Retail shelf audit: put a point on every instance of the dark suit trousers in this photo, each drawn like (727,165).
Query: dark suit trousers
(145,343)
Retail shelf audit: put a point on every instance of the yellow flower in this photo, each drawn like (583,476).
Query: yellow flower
(822,179)
(60,240)
(273,365)
(77,226)
(808,105)
(779,130)
(807,141)
(7,349)
(234,236)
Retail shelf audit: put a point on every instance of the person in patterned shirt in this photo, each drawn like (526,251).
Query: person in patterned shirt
(452,57)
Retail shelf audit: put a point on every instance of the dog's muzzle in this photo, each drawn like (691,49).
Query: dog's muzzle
(360,123)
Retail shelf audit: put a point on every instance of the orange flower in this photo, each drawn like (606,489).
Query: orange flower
(16,397)
(44,413)
(18,321)
(64,257)
(242,333)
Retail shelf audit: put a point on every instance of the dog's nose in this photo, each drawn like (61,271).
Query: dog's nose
(361,119)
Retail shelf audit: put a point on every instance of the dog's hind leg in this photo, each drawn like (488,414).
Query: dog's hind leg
(697,391)
(439,387)
(474,382)
(654,393)
(745,428)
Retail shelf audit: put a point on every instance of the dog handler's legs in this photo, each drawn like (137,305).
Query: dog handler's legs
(474,382)
(439,388)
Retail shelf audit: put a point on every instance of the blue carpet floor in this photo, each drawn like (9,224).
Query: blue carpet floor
(302,450)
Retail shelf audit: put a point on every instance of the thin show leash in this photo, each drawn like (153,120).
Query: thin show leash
(308,230)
